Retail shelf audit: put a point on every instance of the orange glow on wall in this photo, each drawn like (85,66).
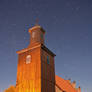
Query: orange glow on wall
(35,75)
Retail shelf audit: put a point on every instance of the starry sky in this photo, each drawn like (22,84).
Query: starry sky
(68,26)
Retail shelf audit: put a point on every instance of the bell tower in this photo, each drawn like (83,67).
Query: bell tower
(37,35)
(36,68)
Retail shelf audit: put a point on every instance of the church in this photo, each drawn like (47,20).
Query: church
(36,67)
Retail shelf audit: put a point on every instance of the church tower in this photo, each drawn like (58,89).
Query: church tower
(36,71)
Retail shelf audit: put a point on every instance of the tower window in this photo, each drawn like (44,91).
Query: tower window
(41,36)
(48,61)
(28,59)
(33,34)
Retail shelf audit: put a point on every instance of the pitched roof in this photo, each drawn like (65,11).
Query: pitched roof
(64,84)
(36,27)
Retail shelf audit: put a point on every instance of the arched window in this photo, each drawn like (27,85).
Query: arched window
(28,59)
(33,34)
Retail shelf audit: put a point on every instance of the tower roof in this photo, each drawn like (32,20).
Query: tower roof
(36,46)
(36,27)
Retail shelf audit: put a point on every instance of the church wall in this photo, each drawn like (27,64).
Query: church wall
(47,72)
(29,75)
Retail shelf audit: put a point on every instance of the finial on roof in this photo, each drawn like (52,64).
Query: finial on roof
(79,89)
(74,84)
(74,81)
(69,79)
(36,22)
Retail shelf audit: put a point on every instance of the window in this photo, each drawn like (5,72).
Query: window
(33,34)
(28,59)
(41,36)
(48,61)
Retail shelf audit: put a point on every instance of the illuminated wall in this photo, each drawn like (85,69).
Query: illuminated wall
(35,71)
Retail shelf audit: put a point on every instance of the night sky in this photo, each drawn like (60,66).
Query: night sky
(68,26)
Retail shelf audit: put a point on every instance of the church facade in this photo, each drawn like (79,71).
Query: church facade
(36,72)
(36,67)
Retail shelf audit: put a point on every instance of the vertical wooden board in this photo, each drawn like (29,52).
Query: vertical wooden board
(44,81)
(47,72)
(51,60)
(38,70)
(50,87)
(51,76)
(49,68)
(43,70)
(42,85)
(42,88)
(45,86)
(44,56)
(39,85)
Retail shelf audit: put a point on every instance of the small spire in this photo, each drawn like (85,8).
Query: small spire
(74,81)
(36,21)
(79,87)
(69,79)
